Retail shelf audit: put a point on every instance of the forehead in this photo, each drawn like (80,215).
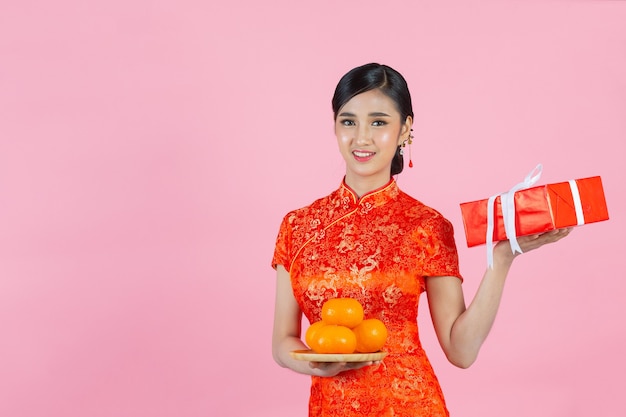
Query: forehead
(372,100)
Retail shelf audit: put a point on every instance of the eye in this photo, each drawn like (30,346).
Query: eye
(379,123)
(346,122)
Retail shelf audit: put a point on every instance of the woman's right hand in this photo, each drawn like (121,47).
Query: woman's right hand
(334,368)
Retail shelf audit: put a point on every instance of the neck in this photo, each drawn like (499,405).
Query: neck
(362,186)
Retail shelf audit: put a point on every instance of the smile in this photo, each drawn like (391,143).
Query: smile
(363,156)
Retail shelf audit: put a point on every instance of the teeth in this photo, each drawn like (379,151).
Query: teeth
(363,154)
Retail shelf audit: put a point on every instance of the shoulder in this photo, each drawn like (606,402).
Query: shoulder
(420,212)
(316,209)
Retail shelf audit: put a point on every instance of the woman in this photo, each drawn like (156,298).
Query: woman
(370,241)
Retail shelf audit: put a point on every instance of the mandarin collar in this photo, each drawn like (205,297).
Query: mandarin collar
(375,197)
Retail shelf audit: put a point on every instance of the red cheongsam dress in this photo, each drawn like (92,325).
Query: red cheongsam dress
(378,249)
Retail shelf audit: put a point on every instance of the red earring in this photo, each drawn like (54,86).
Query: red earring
(410,140)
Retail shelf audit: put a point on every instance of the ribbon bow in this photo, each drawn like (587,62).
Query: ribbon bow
(508,213)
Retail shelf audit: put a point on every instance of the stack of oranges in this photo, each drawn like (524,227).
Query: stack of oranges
(343,329)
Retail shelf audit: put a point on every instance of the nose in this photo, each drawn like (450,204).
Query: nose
(363,135)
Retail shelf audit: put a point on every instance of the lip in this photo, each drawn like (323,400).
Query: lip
(363,156)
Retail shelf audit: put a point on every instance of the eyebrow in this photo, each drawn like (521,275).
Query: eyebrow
(374,114)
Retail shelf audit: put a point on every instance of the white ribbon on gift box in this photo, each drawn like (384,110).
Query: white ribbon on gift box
(578,205)
(507,200)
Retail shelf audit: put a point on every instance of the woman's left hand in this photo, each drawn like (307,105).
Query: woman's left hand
(531,242)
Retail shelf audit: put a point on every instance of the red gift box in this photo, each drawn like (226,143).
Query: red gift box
(539,209)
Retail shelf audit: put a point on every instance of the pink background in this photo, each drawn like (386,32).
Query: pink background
(148,151)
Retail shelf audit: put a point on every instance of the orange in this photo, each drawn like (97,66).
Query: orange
(371,335)
(311,331)
(343,312)
(332,338)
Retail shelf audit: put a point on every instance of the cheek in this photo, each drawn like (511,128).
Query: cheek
(342,138)
(388,139)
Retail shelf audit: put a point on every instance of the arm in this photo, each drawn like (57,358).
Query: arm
(461,331)
(287,333)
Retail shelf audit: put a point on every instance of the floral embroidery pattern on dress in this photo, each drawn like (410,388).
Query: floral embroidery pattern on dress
(378,249)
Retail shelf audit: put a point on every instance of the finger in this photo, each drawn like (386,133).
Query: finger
(357,365)
(320,365)
(328,367)
(536,241)
(558,234)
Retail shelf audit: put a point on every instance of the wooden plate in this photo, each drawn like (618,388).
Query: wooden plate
(310,356)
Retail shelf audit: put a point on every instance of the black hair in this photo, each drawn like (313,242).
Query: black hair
(376,76)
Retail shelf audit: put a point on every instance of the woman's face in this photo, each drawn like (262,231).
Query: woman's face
(369,129)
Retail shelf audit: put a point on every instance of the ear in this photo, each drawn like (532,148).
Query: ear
(405,130)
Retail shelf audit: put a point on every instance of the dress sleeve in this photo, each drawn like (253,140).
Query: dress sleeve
(441,258)
(282,251)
